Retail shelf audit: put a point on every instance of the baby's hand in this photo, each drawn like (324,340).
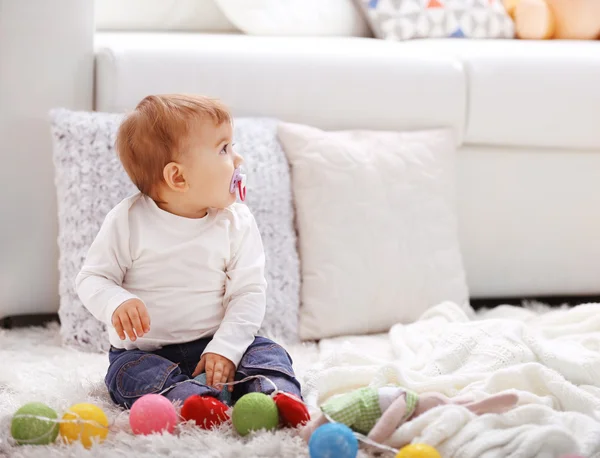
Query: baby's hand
(218,369)
(130,315)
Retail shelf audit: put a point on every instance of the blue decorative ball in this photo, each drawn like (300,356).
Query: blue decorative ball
(225,396)
(333,440)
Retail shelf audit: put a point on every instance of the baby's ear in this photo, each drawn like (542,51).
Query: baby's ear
(174,177)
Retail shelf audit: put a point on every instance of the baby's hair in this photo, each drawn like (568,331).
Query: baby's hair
(152,135)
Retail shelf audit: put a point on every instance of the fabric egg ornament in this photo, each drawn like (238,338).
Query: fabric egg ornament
(84,422)
(253,412)
(152,413)
(28,426)
(205,411)
(292,411)
(333,440)
(418,451)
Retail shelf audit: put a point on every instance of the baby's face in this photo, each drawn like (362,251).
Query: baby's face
(210,162)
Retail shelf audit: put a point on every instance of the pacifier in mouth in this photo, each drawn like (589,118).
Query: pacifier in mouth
(238,182)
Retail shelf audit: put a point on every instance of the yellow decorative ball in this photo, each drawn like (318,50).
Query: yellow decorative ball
(418,451)
(84,422)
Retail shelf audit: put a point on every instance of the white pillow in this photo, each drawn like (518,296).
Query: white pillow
(296,17)
(175,15)
(377,227)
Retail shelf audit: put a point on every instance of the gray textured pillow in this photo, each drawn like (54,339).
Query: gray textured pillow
(90,181)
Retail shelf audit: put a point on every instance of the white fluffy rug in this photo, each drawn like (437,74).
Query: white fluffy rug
(551,360)
(35,367)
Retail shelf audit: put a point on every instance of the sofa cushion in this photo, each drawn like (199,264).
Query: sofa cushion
(331,83)
(528,93)
(377,227)
(90,181)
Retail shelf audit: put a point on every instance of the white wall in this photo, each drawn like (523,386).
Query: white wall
(46,60)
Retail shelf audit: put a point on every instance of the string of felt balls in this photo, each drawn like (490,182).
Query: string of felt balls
(37,424)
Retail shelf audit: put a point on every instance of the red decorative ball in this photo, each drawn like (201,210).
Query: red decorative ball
(205,411)
(292,410)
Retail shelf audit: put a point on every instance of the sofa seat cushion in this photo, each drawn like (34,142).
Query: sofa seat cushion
(331,83)
(528,93)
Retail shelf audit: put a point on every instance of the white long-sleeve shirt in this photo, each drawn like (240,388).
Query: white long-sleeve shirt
(197,277)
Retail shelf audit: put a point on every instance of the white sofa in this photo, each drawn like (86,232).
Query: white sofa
(526,113)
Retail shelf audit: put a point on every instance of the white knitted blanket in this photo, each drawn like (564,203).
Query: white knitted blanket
(552,361)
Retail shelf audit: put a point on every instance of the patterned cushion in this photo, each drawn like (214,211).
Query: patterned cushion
(406,19)
(90,181)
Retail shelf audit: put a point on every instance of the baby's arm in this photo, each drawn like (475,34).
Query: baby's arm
(98,284)
(245,298)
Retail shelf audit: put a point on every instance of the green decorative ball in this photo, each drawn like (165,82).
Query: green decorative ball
(28,430)
(253,412)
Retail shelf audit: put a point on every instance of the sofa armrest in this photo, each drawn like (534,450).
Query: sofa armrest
(46,60)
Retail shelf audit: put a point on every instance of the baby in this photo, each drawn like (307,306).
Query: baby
(177,270)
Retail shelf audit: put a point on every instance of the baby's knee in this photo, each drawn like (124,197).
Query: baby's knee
(264,355)
(136,373)
(268,360)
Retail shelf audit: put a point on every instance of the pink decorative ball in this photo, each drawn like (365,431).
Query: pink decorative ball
(152,413)
(571,456)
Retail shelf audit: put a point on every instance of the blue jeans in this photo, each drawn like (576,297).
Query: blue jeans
(134,373)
